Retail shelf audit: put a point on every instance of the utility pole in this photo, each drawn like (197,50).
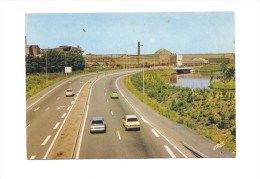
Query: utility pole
(143,76)
(46,66)
(65,66)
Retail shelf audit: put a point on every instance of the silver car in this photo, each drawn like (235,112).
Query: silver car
(97,124)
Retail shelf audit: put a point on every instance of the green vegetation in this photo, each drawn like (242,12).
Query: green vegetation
(56,61)
(211,112)
(36,79)
(162,51)
(208,68)
(227,79)
(37,82)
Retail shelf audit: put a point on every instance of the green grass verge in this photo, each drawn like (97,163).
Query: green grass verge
(208,68)
(230,85)
(37,82)
(204,115)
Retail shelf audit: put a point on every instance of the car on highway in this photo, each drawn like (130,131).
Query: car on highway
(114,95)
(97,124)
(69,92)
(131,122)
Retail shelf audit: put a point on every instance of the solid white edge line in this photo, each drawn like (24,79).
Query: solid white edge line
(148,122)
(68,108)
(84,122)
(86,114)
(63,115)
(58,132)
(155,133)
(72,102)
(54,89)
(57,124)
(145,121)
(46,140)
(33,157)
(118,135)
(169,151)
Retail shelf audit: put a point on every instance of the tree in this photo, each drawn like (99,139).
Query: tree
(56,62)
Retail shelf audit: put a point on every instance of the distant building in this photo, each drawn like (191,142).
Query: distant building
(124,60)
(33,50)
(207,59)
(66,48)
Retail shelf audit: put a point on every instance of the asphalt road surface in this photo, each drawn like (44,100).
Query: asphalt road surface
(158,137)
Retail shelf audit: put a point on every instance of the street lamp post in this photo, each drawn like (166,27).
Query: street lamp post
(65,66)
(46,66)
(125,59)
(143,70)
(143,77)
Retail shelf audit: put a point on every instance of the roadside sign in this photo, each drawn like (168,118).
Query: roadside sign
(68,69)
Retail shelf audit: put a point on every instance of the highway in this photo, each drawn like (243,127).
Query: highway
(47,111)
(158,137)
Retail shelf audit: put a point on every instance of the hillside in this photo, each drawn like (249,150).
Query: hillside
(163,51)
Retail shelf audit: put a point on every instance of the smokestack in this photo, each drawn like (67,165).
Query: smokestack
(25,41)
(138,51)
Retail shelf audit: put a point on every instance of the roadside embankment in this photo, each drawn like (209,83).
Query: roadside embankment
(210,113)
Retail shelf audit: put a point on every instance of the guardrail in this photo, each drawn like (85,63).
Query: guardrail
(194,151)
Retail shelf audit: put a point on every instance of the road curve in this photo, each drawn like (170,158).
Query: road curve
(158,138)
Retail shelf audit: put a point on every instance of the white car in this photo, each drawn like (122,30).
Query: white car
(97,124)
(131,122)
(69,92)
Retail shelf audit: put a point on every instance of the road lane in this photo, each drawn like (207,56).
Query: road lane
(117,143)
(51,110)
(175,134)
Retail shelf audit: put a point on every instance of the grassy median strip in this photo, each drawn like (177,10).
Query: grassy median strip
(210,113)
(65,143)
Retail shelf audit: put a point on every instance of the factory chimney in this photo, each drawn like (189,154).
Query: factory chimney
(138,51)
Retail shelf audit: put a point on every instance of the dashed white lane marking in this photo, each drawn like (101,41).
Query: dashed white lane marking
(76,97)
(145,121)
(33,157)
(46,140)
(72,102)
(68,108)
(119,137)
(63,115)
(28,126)
(37,109)
(148,123)
(55,127)
(58,108)
(169,151)
(107,101)
(58,98)
(112,113)
(47,109)
(105,93)
(155,133)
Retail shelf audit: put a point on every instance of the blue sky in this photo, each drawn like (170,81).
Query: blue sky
(118,33)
